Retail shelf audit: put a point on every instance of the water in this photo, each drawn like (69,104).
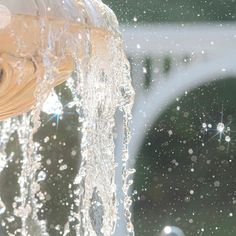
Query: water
(36,54)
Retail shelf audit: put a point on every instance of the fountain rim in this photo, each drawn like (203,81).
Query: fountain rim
(87,15)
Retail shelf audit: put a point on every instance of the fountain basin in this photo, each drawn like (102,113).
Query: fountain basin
(37,36)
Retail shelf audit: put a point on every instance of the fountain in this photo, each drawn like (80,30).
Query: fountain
(75,44)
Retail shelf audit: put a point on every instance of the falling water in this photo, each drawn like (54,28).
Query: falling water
(36,54)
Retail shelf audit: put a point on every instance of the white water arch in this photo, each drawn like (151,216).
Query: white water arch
(149,108)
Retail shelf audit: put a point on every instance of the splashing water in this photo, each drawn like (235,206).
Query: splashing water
(38,52)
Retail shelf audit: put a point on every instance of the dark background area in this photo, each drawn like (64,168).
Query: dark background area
(186,174)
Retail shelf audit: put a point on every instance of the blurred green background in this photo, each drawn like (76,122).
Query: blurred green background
(172,11)
(185,173)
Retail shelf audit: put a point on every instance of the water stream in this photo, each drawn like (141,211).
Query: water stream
(57,159)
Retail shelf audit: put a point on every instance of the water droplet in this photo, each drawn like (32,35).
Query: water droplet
(73,153)
(41,176)
(172,230)
(220,127)
(186,114)
(191,192)
(190,151)
(3,162)
(194,158)
(190,221)
(167,230)
(187,199)
(2,207)
(227,139)
(170,132)
(46,139)
(217,184)
(71,104)
(52,105)
(48,162)
(63,167)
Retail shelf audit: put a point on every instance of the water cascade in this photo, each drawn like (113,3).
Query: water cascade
(63,75)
